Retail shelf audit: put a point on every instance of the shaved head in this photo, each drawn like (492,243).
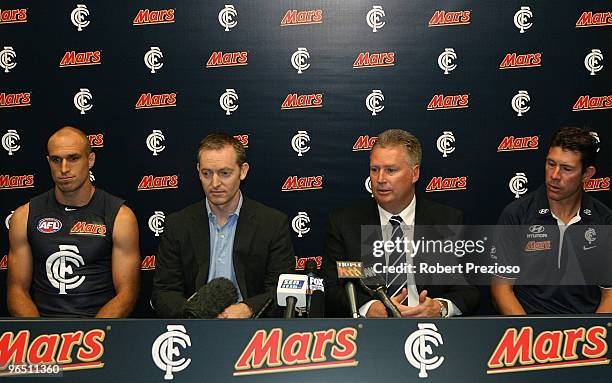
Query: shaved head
(70,132)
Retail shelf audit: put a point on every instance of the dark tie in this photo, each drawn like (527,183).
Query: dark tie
(395,281)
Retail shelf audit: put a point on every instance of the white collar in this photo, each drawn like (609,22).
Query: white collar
(407,214)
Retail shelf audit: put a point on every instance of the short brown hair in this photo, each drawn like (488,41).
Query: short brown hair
(399,137)
(218,141)
(577,140)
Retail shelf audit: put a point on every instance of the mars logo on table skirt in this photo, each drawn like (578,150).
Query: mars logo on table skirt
(522,350)
(268,353)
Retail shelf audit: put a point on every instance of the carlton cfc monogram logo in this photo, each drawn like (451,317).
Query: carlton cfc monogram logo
(300,141)
(374,102)
(519,102)
(299,224)
(597,140)
(418,349)
(228,101)
(78,15)
(165,348)
(226,17)
(521,19)
(59,267)
(154,142)
(592,61)
(10,141)
(7,55)
(445,143)
(82,100)
(517,184)
(156,223)
(298,60)
(373,18)
(445,60)
(151,59)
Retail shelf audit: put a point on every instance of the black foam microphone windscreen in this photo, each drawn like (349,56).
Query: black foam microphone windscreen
(211,299)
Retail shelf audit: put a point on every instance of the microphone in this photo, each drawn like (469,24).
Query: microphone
(291,292)
(350,270)
(378,291)
(263,308)
(211,299)
(315,300)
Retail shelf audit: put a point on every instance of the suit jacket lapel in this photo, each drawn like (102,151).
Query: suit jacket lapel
(201,242)
(245,230)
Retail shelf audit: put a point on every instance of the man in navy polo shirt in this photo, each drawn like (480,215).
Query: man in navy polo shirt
(563,242)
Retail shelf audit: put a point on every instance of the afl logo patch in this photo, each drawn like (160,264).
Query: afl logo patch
(49,225)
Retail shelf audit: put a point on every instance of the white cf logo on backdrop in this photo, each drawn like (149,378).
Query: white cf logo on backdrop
(10,141)
(418,349)
(92,178)
(521,19)
(374,101)
(445,60)
(445,143)
(597,140)
(517,184)
(300,141)
(368,186)
(156,222)
(82,100)
(373,18)
(519,102)
(78,15)
(226,17)
(592,61)
(59,267)
(165,348)
(154,142)
(7,220)
(298,60)
(7,55)
(299,223)
(151,59)
(228,101)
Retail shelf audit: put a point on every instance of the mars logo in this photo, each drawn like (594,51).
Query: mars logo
(267,352)
(445,18)
(7,55)
(374,102)
(445,143)
(72,58)
(84,228)
(10,141)
(373,18)
(521,19)
(226,17)
(523,350)
(445,60)
(438,184)
(59,267)
(592,103)
(300,141)
(49,225)
(227,101)
(165,348)
(10,16)
(295,17)
(162,16)
(87,347)
(511,143)
(243,138)
(295,101)
(417,348)
(148,263)
(156,223)
(592,61)
(513,61)
(220,59)
(298,60)
(370,60)
(16,182)
(597,184)
(148,100)
(151,59)
(519,102)
(440,101)
(590,19)
(154,142)
(517,184)
(78,15)
(364,143)
(151,182)
(4,263)
(597,140)
(299,224)
(295,183)
(11,100)
(96,140)
(82,100)
(300,262)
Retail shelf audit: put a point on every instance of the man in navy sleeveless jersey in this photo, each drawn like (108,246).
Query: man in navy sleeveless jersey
(74,249)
